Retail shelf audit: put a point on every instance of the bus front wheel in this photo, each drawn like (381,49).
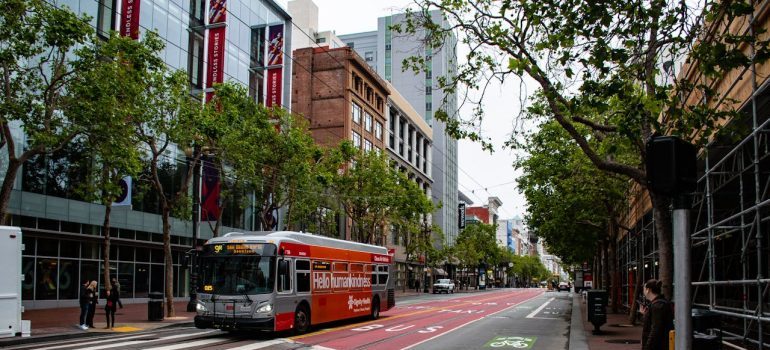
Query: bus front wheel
(375,308)
(301,320)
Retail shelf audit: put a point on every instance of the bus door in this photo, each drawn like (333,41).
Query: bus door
(284,299)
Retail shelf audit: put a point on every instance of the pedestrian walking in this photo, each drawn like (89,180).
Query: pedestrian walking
(116,289)
(93,286)
(658,317)
(110,306)
(85,303)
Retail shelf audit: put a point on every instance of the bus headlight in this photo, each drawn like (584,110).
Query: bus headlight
(265,308)
(200,307)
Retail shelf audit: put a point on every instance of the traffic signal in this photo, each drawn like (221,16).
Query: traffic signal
(671,165)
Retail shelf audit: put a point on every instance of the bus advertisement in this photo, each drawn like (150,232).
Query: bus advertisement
(285,280)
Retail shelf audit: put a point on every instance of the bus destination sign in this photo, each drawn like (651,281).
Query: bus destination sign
(239,249)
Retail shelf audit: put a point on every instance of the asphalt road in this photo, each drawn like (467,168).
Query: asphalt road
(505,319)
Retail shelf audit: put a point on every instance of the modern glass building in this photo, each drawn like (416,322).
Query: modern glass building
(214,41)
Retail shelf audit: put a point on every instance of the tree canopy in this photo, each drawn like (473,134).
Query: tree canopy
(611,66)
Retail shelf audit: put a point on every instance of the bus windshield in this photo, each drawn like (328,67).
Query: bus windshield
(237,275)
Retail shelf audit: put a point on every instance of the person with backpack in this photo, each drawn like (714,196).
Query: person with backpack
(658,317)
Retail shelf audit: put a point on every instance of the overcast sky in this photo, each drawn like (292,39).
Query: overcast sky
(480,175)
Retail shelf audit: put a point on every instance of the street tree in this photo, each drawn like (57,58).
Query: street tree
(571,203)
(476,244)
(37,43)
(369,194)
(170,124)
(114,74)
(413,224)
(608,66)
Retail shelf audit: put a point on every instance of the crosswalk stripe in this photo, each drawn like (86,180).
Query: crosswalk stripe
(260,345)
(138,342)
(97,342)
(189,344)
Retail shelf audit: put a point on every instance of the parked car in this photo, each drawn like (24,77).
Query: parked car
(563,286)
(443,285)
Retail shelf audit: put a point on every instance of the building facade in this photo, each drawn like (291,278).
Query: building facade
(385,50)
(341,97)
(409,146)
(61,231)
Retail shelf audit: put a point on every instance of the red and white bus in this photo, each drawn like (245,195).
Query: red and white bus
(286,280)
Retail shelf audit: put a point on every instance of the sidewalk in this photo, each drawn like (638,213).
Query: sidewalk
(616,334)
(54,324)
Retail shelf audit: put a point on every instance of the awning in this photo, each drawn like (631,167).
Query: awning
(438,271)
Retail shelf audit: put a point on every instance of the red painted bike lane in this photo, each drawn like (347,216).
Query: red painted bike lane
(409,325)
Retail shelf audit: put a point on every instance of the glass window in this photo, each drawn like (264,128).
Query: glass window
(47,273)
(28,285)
(236,275)
(157,256)
(126,253)
(378,130)
(197,10)
(89,271)
(90,250)
(303,265)
(29,245)
(367,145)
(284,276)
(141,280)
(105,21)
(156,278)
(369,56)
(126,279)
(68,279)
(356,140)
(143,255)
(195,60)
(47,247)
(303,276)
(368,121)
(70,249)
(356,113)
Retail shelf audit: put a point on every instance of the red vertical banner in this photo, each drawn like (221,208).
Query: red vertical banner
(274,58)
(216,58)
(216,50)
(274,87)
(210,191)
(129,18)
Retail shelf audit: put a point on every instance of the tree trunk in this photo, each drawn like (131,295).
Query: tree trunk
(613,269)
(169,267)
(632,312)
(663,230)
(106,245)
(606,285)
(6,188)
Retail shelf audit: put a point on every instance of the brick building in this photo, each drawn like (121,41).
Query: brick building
(341,96)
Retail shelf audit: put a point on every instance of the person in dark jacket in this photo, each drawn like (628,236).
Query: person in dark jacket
(658,318)
(85,303)
(113,299)
(93,302)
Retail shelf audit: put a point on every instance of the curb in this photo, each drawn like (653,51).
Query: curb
(61,336)
(577,336)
